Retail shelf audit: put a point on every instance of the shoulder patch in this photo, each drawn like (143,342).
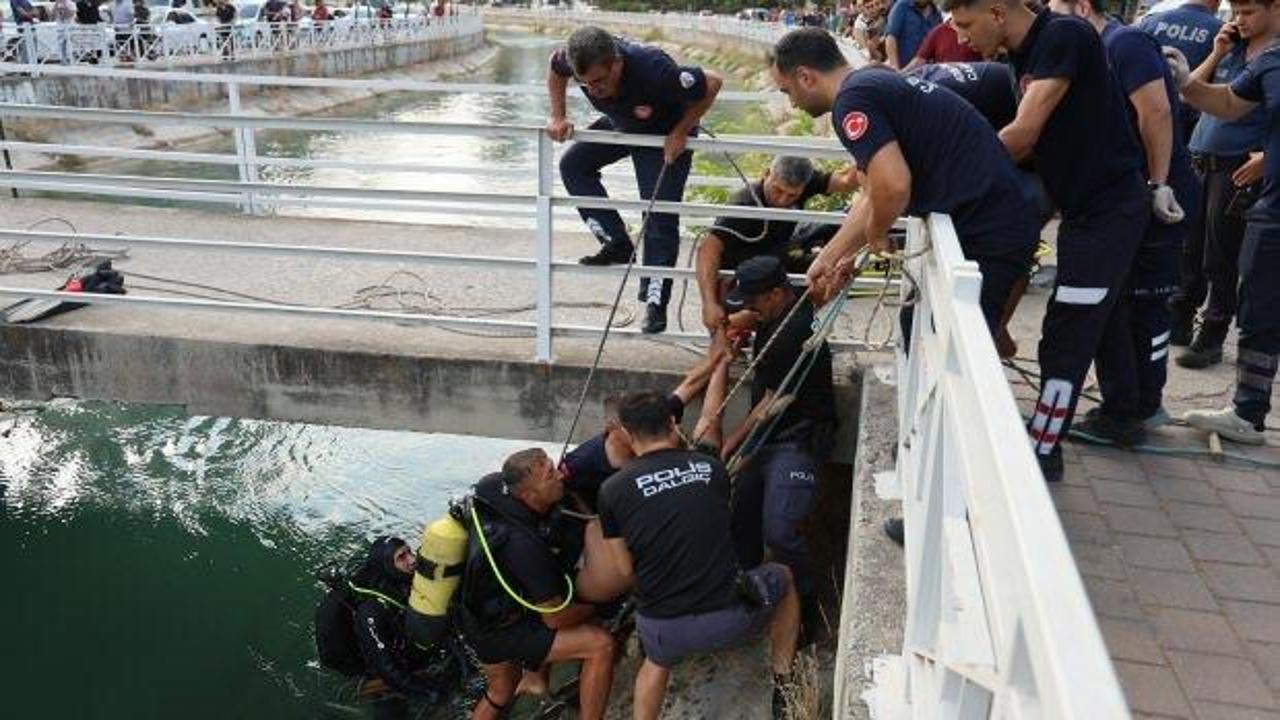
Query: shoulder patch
(686,79)
(855,125)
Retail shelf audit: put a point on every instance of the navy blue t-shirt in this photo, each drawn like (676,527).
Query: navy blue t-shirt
(587,466)
(1135,61)
(1215,136)
(970,175)
(653,93)
(909,25)
(1087,147)
(1260,83)
(987,86)
(1190,28)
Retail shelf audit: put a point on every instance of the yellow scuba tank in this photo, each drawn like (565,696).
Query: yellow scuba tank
(441,557)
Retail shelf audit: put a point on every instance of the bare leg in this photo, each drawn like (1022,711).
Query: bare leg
(784,629)
(600,579)
(534,682)
(651,690)
(594,647)
(710,427)
(502,680)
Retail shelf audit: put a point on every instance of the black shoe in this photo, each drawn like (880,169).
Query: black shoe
(1181,329)
(1205,349)
(811,622)
(655,319)
(610,254)
(780,700)
(894,528)
(1101,427)
(1051,466)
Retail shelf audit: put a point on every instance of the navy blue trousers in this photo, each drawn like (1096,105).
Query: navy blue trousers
(772,497)
(1133,354)
(580,168)
(1211,251)
(1258,319)
(1096,251)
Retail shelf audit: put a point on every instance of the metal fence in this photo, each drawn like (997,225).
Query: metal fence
(998,624)
(200,42)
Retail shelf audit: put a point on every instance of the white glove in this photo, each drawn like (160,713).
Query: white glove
(1164,205)
(1178,65)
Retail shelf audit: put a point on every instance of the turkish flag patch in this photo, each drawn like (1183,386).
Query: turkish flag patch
(855,125)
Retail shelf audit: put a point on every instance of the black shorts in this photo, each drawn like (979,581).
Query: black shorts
(527,642)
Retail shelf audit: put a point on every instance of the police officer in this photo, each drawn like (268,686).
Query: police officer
(1139,68)
(1190,27)
(1228,157)
(1259,346)
(641,90)
(922,149)
(1072,120)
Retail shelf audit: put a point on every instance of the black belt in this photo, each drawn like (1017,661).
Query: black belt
(1208,163)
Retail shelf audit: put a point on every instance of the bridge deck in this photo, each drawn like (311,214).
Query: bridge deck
(1181,556)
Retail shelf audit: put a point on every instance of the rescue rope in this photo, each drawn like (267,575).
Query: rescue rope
(617,298)
(493,565)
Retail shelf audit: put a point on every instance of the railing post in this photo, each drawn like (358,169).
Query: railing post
(546,156)
(246,152)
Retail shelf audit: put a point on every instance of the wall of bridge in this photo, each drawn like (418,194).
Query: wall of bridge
(149,94)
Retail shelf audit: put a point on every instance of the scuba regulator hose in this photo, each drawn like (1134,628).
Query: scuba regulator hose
(484,545)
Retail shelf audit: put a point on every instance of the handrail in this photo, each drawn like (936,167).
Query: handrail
(998,624)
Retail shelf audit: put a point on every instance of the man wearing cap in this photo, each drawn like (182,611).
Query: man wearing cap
(774,490)
(640,90)
(789,183)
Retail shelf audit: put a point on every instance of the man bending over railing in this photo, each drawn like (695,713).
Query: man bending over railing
(639,89)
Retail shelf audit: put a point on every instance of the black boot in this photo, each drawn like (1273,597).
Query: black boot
(1051,466)
(1121,432)
(655,319)
(896,530)
(1182,327)
(1205,349)
(613,253)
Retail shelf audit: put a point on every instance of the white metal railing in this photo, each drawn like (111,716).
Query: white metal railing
(640,24)
(171,44)
(998,624)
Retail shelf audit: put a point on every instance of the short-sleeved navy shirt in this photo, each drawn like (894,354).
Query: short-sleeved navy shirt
(1190,27)
(909,25)
(958,165)
(988,86)
(815,398)
(1087,147)
(745,238)
(653,93)
(1260,83)
(1136,60)
(587,466)
(1215,136)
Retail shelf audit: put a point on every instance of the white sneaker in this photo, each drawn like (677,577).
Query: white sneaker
(1226,423)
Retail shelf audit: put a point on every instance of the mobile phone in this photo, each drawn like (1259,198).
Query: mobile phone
(1233,31)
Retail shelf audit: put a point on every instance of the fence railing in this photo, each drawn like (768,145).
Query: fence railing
(172,44)
(998,624)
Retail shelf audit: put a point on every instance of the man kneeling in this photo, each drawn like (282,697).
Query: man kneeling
(665,516)
(516,612)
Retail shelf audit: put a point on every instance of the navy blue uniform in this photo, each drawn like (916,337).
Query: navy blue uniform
(969,177)
(1089,161)
(1133,365)
(1209,259)
(652,96)
(1190,28)
(1259,322)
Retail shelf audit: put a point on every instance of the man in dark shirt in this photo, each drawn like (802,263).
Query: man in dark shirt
(527,618)
(774,489)
(666,515)
(641,90)
(1228,157)
(891,125)
(1132,368)
(1190,27)
(789,183)
(1072,120)
(908,24)
(1258,354)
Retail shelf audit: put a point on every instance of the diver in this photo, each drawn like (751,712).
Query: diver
(517,607)
(368,611)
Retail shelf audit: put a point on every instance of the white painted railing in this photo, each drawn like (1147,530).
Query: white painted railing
(172,44)
(998,624)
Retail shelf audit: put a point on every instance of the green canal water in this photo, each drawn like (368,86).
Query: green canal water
(158,564)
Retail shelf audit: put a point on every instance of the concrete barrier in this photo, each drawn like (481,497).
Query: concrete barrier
(148,94)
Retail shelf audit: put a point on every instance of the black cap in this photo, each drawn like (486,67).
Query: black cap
(755,276)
